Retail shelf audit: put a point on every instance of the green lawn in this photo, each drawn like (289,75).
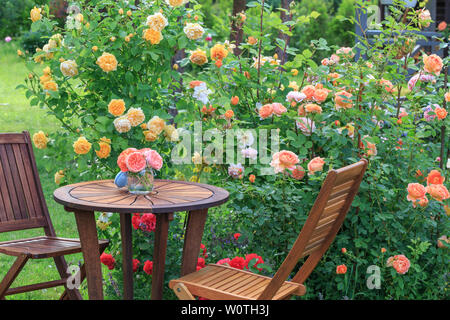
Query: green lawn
(16,115)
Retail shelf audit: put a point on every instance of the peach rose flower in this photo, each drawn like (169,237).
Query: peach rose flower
(342,99)
(435,177)
(284,160)
(438,192)
(266,111)
(320,95)
(341,269)
(313,108)
(432,64)
(400,263)
(107,62)
(297,172)
(447,96)
(278,108)
(308,91)
(416,191)
(315,164)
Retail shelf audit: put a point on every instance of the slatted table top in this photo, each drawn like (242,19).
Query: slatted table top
(167,196)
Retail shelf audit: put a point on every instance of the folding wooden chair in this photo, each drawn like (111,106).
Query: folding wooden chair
(22,206)
(220,282)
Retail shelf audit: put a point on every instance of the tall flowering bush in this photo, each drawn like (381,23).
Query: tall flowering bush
(117,75)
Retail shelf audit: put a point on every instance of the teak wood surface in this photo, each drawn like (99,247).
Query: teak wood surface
(167,197)
(222,282)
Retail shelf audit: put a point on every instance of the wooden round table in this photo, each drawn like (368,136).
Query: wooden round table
(167,197)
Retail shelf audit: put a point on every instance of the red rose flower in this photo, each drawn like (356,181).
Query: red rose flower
(108,260)
(236,235)
(200,263)
(136,220)
(148,267)
(204,254)
(136,264)
(341,269)
(148,222)
(237,262)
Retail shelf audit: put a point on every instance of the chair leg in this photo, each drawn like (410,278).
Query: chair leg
(12,274)
(67,294)
(182,292)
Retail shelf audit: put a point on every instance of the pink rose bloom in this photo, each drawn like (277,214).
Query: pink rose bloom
(334,59)
(306,125)
(250,153)
(295,96)
(8,39)
(325,62)
(284,160)
(278,108)
(426,114)
(154,159)
(423,77)
(135,162)
(315,164)
(224,261)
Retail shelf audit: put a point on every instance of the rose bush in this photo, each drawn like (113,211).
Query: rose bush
(118,75)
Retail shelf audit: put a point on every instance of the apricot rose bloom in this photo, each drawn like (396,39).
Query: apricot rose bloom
(35,14)
(40,140)
(416,191)
(432,64)
(107,62)
(313,108)
(284,160)
(156,124)
(447,96)
(198,57)
(136,116)
(435,177)
(152,35)
(193,31)
(105,148)
(122,124)
(315,165)
(176,3)
(438,192)
(116,107)
(69,68)
(342,99)
(81,146)
(266,111)
(157,21)
(278,108)
(308,91)
(218,52)
(320,95)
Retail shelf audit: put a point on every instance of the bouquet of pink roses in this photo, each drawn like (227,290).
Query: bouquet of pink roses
(136,169)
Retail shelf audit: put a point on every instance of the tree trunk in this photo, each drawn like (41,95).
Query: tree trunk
(236,26)
(285,16)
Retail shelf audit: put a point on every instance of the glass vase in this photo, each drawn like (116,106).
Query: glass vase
(141,182)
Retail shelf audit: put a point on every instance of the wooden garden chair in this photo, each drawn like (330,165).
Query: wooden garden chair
(221,282)
(22,206)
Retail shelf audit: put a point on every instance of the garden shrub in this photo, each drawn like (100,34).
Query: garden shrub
(109,77)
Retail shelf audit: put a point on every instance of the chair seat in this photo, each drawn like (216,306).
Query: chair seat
(43,247)
(220,282)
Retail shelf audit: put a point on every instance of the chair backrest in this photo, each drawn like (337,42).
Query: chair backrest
(22,202)
(323,223)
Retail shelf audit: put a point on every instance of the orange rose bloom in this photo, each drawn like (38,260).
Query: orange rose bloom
(234,100)
(252,41)
(266,111)
(195,83)
(400,263)
(432,63)
(81,146)
(315,164)
(298,173)
(320,95)
(251,178)
(342,99)
(416,191)
(107,62)
(309,91)
(152,35)
(441,113)
(105,148)
(438,191)
(116,107)
(313,108)
(387,85)
(442,26)
(447,96)
(341,269)
(435,177)
(218,52)
(229,114)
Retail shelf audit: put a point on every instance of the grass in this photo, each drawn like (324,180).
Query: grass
(16,115)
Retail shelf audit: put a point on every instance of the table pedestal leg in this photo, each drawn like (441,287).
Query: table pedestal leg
(159,254)
(87,231)
(192,240)
(127,255)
